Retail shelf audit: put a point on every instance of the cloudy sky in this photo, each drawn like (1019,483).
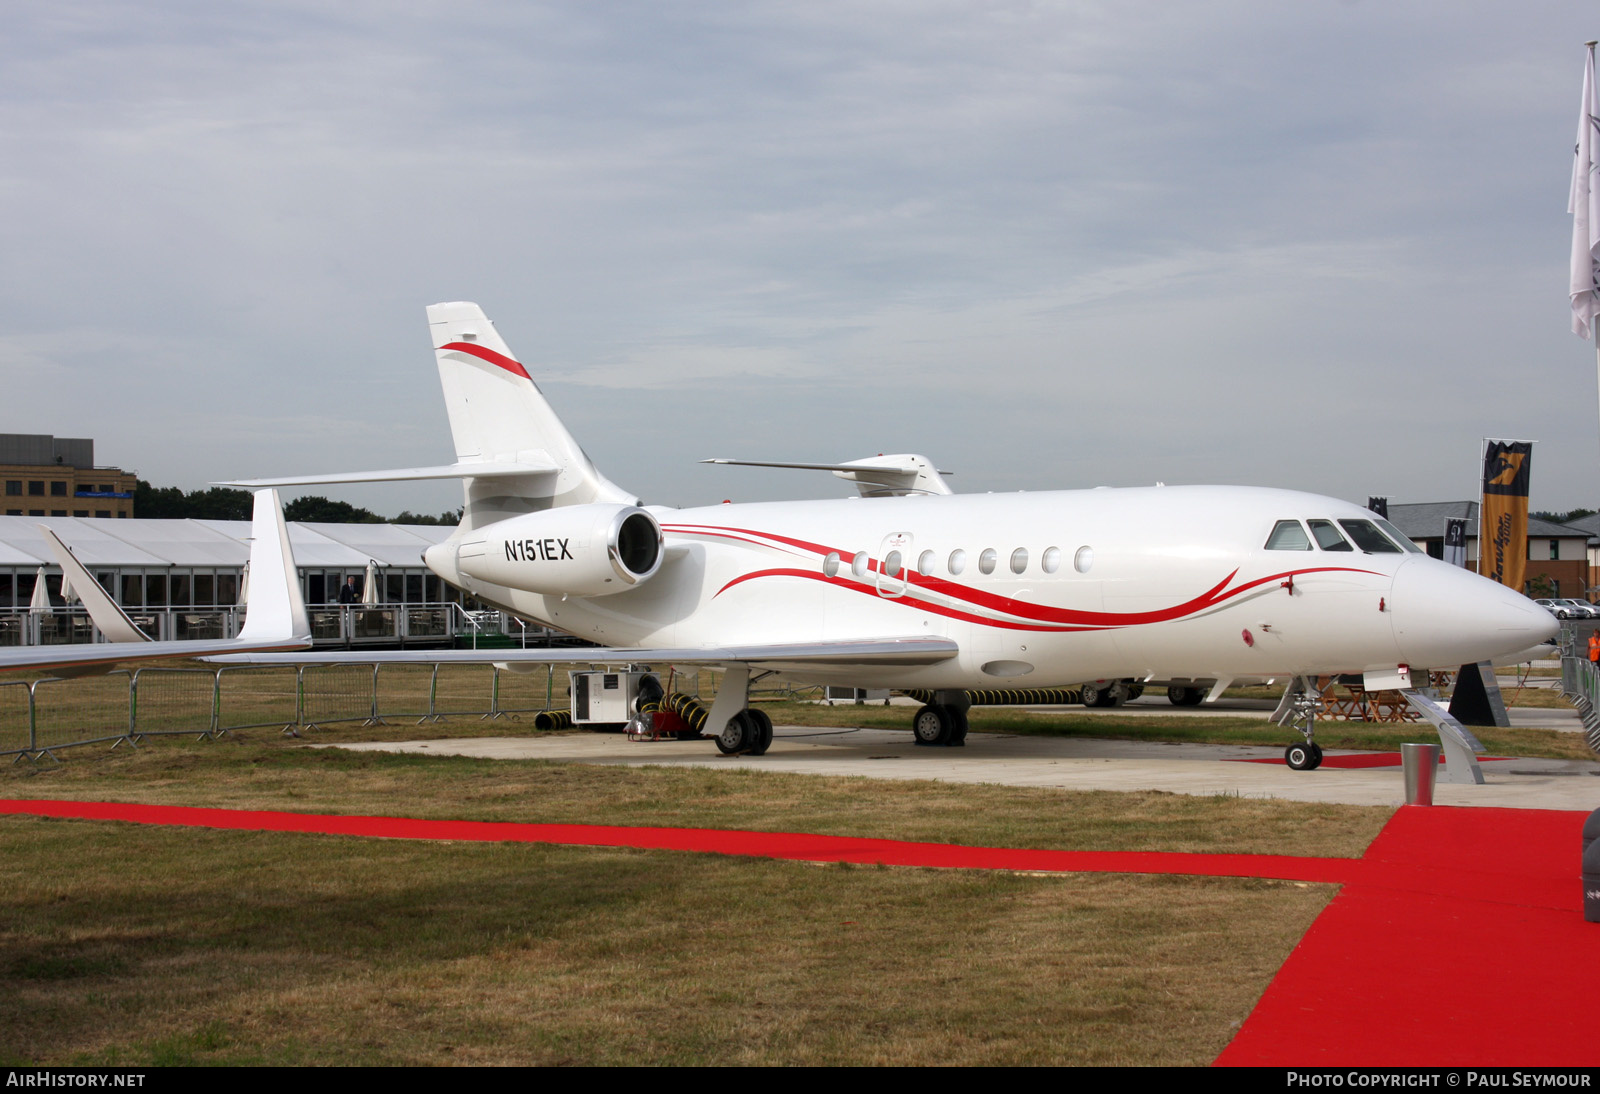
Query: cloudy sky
(1319,245)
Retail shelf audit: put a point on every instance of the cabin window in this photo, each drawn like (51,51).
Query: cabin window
(891,564)
(858,565)
(925,563)
(1083,560)
(1287,535)
(1050,561)
(1019,560)
(958,560)
(830,565)
(988,560)
(1327,536)
(1368,538)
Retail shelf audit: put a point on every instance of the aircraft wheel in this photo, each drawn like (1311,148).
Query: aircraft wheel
(1185,697)
(932,725)
(958,727)
(761,739)
(1302,757)
(736,735)
(1093,694)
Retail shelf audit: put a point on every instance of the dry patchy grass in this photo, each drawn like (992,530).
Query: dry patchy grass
(266,772)
(137,946)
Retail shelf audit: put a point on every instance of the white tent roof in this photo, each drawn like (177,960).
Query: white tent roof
(208,544)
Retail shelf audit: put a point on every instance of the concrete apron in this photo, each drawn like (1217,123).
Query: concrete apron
(1069,764)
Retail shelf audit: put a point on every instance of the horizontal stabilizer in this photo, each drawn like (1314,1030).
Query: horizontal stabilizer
(876,476)
(407,474)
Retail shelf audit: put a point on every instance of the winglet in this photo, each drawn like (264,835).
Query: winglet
(274,607)
(106,613)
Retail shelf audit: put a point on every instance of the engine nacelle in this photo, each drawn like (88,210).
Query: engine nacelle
(579,550)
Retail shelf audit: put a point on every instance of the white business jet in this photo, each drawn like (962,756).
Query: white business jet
(275,616)
(912,587)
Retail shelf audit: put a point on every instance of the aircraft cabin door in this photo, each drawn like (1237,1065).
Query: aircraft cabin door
(894,558)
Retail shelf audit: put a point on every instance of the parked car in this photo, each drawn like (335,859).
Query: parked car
(1567,608)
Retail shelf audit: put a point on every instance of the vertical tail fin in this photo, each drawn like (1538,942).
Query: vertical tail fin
(499,415)
(275,609)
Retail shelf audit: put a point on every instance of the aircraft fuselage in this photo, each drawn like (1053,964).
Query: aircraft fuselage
(1040,589)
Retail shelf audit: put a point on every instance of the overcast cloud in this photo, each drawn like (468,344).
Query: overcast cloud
(1319,245)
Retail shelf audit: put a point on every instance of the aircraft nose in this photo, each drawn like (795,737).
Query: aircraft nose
(1445,616)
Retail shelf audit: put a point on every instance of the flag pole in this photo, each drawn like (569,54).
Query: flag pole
(1584,205)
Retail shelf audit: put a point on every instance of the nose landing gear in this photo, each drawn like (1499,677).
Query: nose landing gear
(1298,709)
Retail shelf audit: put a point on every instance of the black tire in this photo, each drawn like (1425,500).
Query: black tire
(1092,695)
(1301,757)
(735,736)
(1134,691)
(958,728)
(761,739)
(1185,697)
(1316,756)
(932,725)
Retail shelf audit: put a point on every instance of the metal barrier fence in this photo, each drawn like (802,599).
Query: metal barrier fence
(39,717)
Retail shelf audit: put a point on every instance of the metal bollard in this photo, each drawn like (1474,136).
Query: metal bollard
(1419,764)
(1591,883)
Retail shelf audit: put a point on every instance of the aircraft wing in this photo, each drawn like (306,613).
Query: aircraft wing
(534,466)
(276,617)
(918,650)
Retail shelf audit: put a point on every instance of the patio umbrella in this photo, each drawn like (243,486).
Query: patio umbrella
(41,594)
(369,587)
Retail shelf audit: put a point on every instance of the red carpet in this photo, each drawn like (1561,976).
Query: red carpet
(1457,939)
(786,845)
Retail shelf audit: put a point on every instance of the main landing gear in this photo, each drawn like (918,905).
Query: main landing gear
(1111,693)
(748,732)
(940,724)
(1181,696)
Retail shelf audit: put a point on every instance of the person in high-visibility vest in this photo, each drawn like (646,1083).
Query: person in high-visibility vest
(1594,646)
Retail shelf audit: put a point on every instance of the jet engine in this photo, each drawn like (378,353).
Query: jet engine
(578,550)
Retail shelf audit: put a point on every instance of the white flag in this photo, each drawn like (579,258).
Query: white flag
(1584,205)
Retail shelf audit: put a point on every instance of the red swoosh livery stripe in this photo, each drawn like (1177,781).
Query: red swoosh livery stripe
(498,359)
(1027,615)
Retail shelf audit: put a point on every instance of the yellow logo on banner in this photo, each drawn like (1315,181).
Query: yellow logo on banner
(1506,473)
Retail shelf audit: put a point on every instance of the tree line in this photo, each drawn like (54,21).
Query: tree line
(223,503)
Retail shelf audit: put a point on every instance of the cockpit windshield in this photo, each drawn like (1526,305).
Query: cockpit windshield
(1368,538)
(1399,537)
